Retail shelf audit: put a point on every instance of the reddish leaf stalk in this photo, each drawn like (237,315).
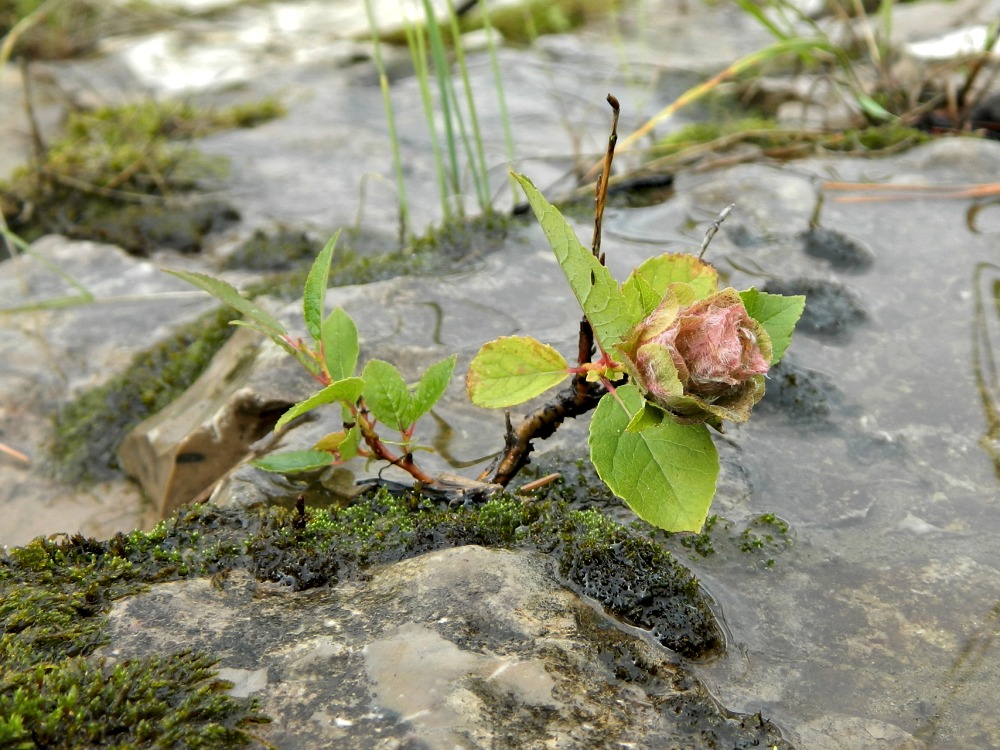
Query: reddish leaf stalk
(381,451)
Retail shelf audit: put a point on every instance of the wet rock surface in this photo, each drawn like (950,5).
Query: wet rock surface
(181,452)
(58,351)
(465,647)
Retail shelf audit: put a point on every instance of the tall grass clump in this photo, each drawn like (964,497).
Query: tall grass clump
(854,48)
(853,52)
(438,57)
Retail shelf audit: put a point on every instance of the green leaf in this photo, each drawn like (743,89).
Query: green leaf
(345,391)
(512,370)
(294,462)
(349,447)
(386,394)
(640,293)
(432,386)
(778,315)
(649,281)
(340,344)
(227,294)
(609,312)
(314,291)
(343,444)
(666,473)
(330,442)
(648,416)
(872,108)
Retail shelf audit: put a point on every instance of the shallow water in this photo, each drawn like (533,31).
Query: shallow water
(888,605)
(881,618)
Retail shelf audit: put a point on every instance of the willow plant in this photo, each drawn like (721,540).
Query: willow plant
(662,357)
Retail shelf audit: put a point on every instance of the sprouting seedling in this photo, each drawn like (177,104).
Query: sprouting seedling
(662,356)
(378,399)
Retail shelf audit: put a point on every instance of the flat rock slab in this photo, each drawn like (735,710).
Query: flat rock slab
(57,347)
(462,648)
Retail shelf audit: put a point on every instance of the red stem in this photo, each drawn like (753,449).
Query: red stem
(381,451)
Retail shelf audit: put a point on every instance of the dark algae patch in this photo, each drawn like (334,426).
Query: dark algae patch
(633,578)
(54,593)
(833,310)
(281,250)
(639,582)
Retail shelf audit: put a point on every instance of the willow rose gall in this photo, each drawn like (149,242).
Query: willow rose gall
(700,360)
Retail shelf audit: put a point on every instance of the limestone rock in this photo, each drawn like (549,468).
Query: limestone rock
(460,648)
(58,347)
(181,452)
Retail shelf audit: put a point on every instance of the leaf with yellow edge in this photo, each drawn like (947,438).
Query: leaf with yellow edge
(513,369)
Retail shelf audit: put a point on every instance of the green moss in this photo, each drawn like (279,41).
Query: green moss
(108,177)
(69,28)
(247,114)
(53,693)
(91,427)
(54,593)
(890,136)
(134,148)
(157,701)
(762,131)
(758,544)
(701,542)
(521,23)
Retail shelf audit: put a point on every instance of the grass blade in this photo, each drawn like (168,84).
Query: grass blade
(397,159)
(770,52)
(417,42)
(474,149)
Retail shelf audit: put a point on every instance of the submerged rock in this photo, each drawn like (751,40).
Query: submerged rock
(833,311)
(842,252)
